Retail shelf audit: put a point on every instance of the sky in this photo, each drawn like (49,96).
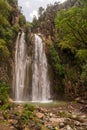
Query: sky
(30,7)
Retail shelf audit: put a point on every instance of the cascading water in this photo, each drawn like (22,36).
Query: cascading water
(40,80)
(20,67)
(30,79)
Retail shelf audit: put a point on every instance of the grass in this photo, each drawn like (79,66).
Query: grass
(50,104)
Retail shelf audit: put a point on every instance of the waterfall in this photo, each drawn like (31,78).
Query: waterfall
(40,79)
(20,67)
(30,79)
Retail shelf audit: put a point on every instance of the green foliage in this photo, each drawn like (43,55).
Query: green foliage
(56,62)
(72,28)
(5,8)
(27,113)
(4,52)
(71,35)
(72,74)
(12,2)
(29,107)
(28,24)
(5,29)
(22,20)
(4,91)
(82,55)
(16,28)
(26,116)
(7,106)
(6,33)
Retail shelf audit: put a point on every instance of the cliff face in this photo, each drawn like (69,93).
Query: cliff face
(15,16)
(9,26)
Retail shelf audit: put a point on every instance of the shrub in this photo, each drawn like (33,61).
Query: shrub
(56,62)
(29,107)
(4,91)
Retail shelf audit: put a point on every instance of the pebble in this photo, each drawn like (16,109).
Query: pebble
(61,124)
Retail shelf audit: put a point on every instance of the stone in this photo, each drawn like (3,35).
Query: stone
(53,120)
(61,124)
(10,100)
(78,99)
(42,122)
(39,115)
(50,127)
(12,128)
(68,127)
(43,110)
(57,120)
(77,123)
(47,119)
(12,121)
(74,116)
(1,117)
(26,128)
(51,114)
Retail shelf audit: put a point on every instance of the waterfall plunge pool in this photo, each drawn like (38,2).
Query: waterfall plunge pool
(22,102)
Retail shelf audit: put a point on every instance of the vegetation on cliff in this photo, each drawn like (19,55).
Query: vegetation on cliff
(66,24)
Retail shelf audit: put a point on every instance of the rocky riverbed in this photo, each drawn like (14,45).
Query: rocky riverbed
(63,116)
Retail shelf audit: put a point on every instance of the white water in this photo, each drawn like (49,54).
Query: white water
(20,66)
(27,86)
(40,80)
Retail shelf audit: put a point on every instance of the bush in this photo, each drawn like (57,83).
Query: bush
(29,107)
(4,91)
(58,67)
(16,28)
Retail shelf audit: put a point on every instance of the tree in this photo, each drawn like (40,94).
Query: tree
(22,20)
(5,8)
(40,11)
(4,52)
(71,26)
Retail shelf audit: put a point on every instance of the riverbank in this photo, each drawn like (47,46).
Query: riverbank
(52,116)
